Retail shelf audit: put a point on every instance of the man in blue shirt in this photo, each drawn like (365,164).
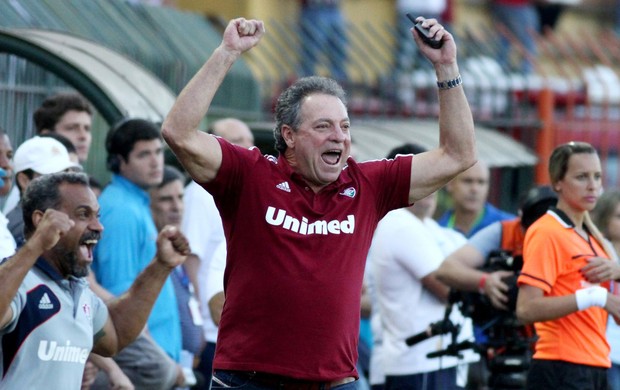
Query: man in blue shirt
(135,157)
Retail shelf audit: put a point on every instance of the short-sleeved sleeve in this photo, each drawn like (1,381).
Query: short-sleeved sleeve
(17,305)
(541,257)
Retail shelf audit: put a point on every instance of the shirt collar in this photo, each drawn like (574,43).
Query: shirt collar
(343,179)
(130,186)
(47,268)
(563,218)
(51,272)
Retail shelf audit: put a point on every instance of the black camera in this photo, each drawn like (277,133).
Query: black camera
(506,343)
(477,306)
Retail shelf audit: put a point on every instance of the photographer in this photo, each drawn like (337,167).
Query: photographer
(461,270)
(487,264)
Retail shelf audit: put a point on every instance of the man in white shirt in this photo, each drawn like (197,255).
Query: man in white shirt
(407,248)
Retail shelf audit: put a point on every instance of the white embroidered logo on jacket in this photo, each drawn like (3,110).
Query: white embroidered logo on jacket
(305,227)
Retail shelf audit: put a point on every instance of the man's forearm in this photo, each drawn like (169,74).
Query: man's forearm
(459,276)
(456,123)
(130,311)
(194,100)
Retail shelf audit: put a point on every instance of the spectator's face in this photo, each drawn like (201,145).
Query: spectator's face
(470,189)
(581,186)
(75,125)
(74,250)
(167,204)
(145,164)
(318,150)
(6,157)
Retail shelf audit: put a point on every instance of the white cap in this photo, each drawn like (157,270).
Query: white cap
(43,155)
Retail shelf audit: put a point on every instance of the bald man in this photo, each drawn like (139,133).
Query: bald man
(203,228)
(234,131)
(471,213)
(469,192)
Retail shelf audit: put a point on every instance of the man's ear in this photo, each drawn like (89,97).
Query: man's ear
(287,134)
(22,181)
(37,216)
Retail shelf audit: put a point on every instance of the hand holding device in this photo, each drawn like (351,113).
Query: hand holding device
(424,34)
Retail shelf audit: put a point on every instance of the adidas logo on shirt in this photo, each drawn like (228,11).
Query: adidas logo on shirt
(45,303)
(284,186)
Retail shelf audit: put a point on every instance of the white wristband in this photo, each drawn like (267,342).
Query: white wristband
(591,296)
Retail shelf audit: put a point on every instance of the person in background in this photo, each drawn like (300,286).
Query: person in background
(407,248)
(462,271)
(520,19)
(167,209)
(471,211)
(318,214)
(35,157)
(203,227)
(67,114)
(49,318)
(606,216)
(322,32)
(565,280)
(7,242)
(70,115)
(135,158)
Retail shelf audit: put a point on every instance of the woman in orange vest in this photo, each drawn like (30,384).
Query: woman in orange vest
(564,283)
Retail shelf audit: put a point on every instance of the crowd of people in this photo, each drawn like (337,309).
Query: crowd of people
(247,270)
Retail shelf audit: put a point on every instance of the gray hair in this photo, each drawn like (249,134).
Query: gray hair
(288,106)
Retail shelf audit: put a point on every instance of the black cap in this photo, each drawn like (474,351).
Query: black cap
(535,204)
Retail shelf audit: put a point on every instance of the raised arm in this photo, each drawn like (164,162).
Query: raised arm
(52,225)
(129,312)
(200,153)
(457,147)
